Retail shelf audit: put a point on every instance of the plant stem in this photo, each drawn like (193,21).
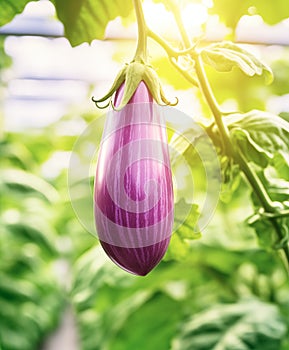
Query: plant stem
(173,54)
(203,81)
(141,50)
(255,183)
(266,203)
(250,174)
(169,50)
(281,214)
(178,18)
(210,97)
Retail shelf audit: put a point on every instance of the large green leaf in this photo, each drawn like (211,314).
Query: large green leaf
(226,55)
(10,8)
(244,326)
(86,20)
(260,136)
(231,11)
(272,11)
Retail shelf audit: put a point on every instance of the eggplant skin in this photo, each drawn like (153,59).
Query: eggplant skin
(138,261)
(133,193)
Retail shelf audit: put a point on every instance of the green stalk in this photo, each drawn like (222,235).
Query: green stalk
(169,50)
(141,49)
(250,174)
(212,102)
(173,55)
(178,18)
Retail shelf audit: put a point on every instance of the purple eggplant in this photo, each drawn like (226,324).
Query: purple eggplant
(133,193)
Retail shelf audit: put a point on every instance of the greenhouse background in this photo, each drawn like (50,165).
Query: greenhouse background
(58,290)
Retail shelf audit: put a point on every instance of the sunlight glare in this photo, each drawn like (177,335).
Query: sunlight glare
(158,18)
(194,15)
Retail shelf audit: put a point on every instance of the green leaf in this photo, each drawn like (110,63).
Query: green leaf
(272,11)
(231,11)
(181,142)
(38,234)
(280,68)
(185,230)
(266,232)
(231,176)
(5,59)
(186,219)
(250,149)
(281,164)
(17,290)
(179,249)
(158,331)
(116,302)
(227,55)
(249,325)
(86,20)
(10,8)
(16,177)
(277,188)
(261,136)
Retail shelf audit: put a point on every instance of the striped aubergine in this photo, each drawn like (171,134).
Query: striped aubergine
(133,192)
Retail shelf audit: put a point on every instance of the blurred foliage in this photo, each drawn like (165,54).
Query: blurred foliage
(225,56)
(230,327)
(153,312)
(27,250)
(40,238)
(5,60)
(280,68)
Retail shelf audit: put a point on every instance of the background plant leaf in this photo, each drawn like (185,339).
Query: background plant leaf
(231,11)
(86,20)
(186,219)
(244,326)
(226,55)
(10,8)
(261,136)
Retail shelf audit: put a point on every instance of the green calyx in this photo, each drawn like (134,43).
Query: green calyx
(131,75)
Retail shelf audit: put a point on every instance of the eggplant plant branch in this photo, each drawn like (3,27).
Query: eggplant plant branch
(141,50)
(271,208)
